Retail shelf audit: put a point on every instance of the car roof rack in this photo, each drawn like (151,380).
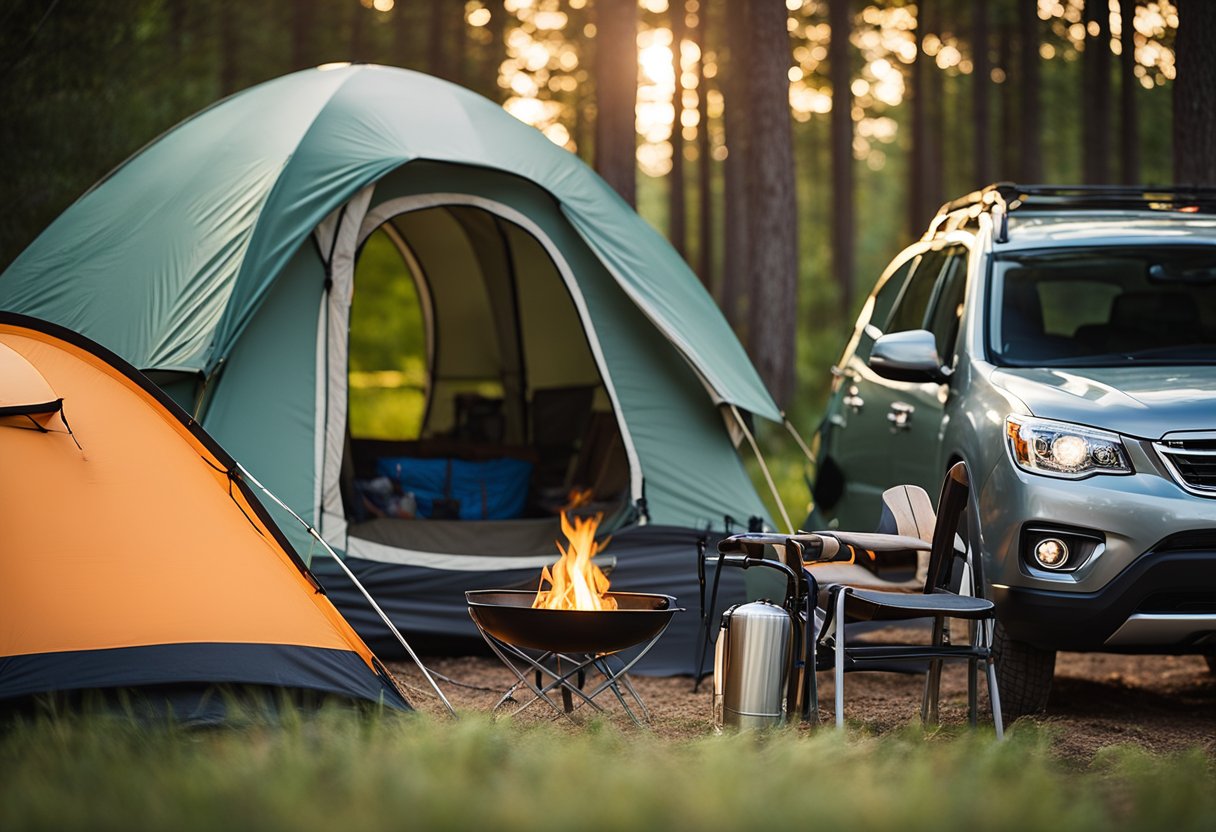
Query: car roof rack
(1002,198)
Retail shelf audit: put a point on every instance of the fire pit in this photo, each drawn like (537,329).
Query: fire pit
(575,626)
(509,616)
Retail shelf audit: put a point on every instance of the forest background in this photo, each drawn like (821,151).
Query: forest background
(787,148)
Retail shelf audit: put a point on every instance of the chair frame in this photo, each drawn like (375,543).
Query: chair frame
(827,649)
(832,638)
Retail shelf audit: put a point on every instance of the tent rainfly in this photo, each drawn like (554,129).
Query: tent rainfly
(562,335)
(134,556)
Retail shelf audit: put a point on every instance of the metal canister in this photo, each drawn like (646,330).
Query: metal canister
(751,666)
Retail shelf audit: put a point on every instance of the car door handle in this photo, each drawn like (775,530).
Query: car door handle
(853,399)
(900,416)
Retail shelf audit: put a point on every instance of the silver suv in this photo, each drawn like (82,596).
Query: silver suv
(1061,342)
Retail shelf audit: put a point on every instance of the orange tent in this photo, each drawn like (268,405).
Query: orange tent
(132,553)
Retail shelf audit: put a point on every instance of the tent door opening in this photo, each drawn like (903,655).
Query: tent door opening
(474,394)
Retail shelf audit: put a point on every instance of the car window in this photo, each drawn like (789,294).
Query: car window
(948,304)
(909,311)
(880,307)
(1107,306)
(1069,305)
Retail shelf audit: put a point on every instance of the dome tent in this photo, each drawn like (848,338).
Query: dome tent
(221,260)
(134,557)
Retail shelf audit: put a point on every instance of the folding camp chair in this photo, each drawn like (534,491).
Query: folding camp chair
(937,601)
(828,648)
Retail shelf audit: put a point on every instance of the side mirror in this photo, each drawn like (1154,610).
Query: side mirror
(907,356)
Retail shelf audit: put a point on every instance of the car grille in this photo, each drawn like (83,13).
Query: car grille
(1192,463)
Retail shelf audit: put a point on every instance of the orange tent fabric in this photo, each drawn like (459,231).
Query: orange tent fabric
(137,537)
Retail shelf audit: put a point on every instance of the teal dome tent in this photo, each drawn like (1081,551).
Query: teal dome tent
(561,331)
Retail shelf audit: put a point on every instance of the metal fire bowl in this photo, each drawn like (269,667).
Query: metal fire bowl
(507,615)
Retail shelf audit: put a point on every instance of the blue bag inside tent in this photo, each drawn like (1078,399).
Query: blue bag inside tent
(493,489)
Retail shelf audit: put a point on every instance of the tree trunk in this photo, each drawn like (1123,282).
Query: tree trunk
(179,11)
(734,122)
(935,119)
(705,195)
(229,71)
(1095,96)
(1194,92)
(403,29)
(303,34)
(437,53)
(1007,159)
(494,54)
(1029,38)
(840,19)
(358,32)
(771,205)
(616,84)
(458,41)
(919,161)
(1129,159)
(981,83)
(676,211)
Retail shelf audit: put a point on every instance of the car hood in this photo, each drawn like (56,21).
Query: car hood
(1145,402)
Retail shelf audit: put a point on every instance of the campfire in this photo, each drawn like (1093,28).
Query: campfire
(571,626)
(575,583)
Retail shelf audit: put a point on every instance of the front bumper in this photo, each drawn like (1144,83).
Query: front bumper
(1164,602)
(1150,588)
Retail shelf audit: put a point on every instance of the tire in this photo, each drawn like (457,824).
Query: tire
(1023,675)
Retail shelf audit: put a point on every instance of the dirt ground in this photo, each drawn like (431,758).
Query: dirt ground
(1160,703)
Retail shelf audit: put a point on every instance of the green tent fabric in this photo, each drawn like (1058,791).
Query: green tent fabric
(197,228)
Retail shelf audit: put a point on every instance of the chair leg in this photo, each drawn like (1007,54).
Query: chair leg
(972,691)
(810,684)
(995,699)
(840,596)
(994,696)
(933,679)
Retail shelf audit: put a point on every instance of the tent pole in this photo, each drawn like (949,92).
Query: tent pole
(383,617)
(798,438)
(768,478)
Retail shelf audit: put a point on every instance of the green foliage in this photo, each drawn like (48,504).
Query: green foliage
(341,771)
(387,346)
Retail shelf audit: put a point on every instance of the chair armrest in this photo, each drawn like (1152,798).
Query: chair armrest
(879,542)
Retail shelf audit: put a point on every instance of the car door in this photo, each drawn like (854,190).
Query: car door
(850,470)
(878,432)
(914,411)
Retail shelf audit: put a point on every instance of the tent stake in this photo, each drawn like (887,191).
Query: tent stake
(383,617)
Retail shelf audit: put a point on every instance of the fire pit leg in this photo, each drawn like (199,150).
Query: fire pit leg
(560,681)
(570,682)
(567,699)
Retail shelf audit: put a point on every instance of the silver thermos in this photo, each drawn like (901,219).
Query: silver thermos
(751,666)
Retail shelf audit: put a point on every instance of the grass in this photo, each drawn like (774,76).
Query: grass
(339,772)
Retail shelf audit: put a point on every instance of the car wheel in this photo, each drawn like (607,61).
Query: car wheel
(1023,675)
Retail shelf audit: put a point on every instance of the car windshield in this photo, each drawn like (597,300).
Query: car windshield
(1104,307)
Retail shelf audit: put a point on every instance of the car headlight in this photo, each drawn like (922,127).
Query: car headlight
(1058,449)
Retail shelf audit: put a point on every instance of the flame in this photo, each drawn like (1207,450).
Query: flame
(577,498)
(575,582)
